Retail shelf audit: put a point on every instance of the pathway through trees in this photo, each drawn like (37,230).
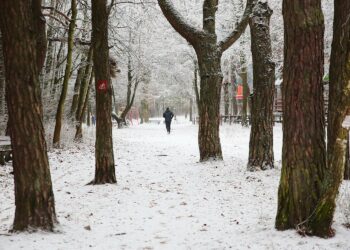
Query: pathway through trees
(164,198)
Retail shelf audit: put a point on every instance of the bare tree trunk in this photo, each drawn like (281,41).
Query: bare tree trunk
(105,167)
(321,221)
(304,150)
(34,199)
(77,84)
(67,74)
(3,107)
(79,125)
(261,134)
(84,85)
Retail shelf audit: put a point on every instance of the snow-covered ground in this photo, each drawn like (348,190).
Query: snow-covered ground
(165,198)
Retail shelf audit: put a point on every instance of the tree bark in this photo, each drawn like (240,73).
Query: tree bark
(67,74)
(304,150)
(34,199)
(84,86)
(105,167)
(261,134)
(3,108)
(130,95)
(320,223)
(79,125)
(77,84)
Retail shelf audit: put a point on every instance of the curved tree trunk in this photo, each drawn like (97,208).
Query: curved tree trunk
(304,149)
(67,74)
(261,134)
(339,106)
(105,167)
(34,199)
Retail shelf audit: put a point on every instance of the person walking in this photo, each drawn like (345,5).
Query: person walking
(168,115)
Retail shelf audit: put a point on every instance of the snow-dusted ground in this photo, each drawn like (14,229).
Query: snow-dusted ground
(165,198)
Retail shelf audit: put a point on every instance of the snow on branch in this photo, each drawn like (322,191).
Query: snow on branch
(189,32)
(239,29)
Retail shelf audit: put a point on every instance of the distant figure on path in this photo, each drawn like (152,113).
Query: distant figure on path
(93,118)
(168,115)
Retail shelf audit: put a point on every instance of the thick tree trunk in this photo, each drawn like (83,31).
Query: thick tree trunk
(67,74)
(209,102)
(339,106)
(261,134)
(105,167)
(304,150)
(34,198)
(3,107)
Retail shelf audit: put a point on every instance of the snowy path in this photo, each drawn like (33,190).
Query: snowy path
(164,198)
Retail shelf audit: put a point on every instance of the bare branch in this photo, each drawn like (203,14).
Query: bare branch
(239,29)
(190,33)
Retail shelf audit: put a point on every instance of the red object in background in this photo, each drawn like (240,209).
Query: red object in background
(102,85)
(239,95)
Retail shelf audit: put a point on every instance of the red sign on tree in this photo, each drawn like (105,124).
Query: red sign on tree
(102,85)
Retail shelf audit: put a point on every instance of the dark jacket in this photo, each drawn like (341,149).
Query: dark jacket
(168,115)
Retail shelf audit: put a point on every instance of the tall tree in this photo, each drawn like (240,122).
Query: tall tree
(339,105)
(304,149)
(105,168)
(261,134)
(209,52)
(24,44)
(67,74)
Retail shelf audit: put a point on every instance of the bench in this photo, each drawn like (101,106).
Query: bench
(5,149)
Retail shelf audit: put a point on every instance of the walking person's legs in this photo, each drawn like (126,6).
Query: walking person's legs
(167,126)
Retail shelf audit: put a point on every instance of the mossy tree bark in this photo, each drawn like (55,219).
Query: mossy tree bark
(105,167)
(24,55)
(209,52)
(67,74)
(261,134)
(304,149)
(320,223)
